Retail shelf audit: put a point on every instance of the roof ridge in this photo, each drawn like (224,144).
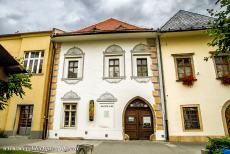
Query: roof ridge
(109,19)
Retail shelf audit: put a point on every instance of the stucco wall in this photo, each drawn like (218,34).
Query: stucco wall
(207,91)
(16,46)
(93,86)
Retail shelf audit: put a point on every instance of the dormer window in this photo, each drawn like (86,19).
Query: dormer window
(114,69)
(73,65)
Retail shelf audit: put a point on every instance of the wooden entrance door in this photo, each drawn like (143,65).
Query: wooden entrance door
(25,120)
(138,120)
(227,115)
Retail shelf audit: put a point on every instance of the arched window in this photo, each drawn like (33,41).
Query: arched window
(140,56)
(114,60)
(73,65)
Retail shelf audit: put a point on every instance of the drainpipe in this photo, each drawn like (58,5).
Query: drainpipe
(164,106)
(46,116)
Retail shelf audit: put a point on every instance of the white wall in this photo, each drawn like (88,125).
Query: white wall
(207,91)
(92,86)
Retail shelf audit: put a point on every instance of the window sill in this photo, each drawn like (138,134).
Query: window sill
(114,80)
(121,77)
(193,130)
(69,128)
(71,80)
(141,79)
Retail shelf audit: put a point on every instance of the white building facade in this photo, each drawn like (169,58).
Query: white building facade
(104,88)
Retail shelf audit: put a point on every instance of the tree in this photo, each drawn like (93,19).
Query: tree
(15,85)
(220,27)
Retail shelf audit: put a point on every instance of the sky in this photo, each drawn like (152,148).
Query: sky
(70,15)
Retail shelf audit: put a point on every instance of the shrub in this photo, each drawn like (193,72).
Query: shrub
(2,135)
(216,145)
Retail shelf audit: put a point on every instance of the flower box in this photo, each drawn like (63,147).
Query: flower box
(225,80)
(188,80)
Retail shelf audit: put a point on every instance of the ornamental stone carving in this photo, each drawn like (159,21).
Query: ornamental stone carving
(107,97)
(141,48)
(71,96)
(75,51)
(114,49)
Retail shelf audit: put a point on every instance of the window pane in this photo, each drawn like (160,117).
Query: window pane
(116,62)
(36,55)
(179,61)
(188,71)
(66,121)
(35,66)
(73,114)
(42,54)
(32,54)
(26,54)
(40,66)
(25,63)
(191,118)
(30,66)
(67,107)
(186,61)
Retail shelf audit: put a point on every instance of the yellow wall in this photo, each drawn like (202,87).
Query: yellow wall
(207,91)
(16,46)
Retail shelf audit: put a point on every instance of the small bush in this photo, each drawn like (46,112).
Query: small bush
(216,145)
(2,135)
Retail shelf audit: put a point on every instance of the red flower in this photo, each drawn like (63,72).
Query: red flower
(226,80)
(188,80)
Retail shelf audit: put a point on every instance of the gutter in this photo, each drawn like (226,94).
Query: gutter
(164,104)
(46,116)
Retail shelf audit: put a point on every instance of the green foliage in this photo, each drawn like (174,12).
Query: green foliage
(220,27)
(2,135)
(216,145)
(15,85)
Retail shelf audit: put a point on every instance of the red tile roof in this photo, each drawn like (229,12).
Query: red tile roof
(109,25)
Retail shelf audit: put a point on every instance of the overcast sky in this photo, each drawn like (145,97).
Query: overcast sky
(69,15)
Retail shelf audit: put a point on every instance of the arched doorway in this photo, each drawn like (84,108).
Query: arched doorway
(138,120)
(226,117)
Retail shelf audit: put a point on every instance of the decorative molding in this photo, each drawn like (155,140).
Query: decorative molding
(141,79)
(112,49)
(71,96)
(73,52)
(141,48)
(107,97)
(71,81)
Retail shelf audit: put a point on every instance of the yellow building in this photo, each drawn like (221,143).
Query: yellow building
(26,116)
(199,106)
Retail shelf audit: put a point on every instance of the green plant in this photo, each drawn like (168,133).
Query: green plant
(216,145)
(2,135)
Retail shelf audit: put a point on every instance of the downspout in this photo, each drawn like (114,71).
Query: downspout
(164,106)
(45,126)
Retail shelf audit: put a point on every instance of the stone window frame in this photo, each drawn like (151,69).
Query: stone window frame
(136,53)
(118,53)
(184,55)
(199,116)
(71,55)
(69,98)
(214,61)
(63,113)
